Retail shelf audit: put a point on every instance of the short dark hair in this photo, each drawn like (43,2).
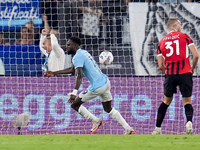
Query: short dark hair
(76,40)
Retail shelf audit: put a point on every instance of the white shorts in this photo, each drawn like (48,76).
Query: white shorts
(103,93)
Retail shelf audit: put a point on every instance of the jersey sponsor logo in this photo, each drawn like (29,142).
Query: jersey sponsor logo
(84,92)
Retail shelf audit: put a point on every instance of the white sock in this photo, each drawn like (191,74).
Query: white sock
(85,113)
(117,116)
(158,129)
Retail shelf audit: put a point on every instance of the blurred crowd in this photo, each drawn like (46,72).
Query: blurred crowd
(69,17)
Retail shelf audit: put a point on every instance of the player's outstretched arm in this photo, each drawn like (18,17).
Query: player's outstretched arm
(79,77)
(64,71)
(46,24)
(195,56)
(42,38)
(48,74)
(55,46)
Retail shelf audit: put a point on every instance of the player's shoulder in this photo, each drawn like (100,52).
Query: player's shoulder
(162,40)
(187,35)
(182,34)
(80,52)
(166,37)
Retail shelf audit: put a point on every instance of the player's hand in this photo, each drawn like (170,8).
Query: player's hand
(44,32)
(192,70)
(49,74)
(72,96)
(71,99)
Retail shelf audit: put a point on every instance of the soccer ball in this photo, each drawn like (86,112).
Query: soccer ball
(106,58)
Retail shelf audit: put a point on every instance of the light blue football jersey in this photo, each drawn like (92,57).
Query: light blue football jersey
(90,69)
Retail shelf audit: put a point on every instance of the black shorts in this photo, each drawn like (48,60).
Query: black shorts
(184,81)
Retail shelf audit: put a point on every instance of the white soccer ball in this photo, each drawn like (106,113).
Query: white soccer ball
(106,58)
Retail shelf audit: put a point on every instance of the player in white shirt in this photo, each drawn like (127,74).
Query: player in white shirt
(52,50)
(85,65)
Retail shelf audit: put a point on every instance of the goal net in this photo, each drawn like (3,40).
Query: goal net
(130,30)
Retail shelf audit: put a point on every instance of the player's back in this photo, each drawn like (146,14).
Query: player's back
(91,69)
(174,48)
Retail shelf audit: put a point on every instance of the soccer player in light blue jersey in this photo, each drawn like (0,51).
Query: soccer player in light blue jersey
(85,65)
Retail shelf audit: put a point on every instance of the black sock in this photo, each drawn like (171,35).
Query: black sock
(161,114)
(189,112)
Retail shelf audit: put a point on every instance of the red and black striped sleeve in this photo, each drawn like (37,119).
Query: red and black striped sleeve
(159,51)
(188,39)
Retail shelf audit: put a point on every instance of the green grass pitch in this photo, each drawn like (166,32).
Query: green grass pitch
(99,142)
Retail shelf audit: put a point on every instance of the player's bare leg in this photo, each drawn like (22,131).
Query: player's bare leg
(189,114)
(77,105)
(117,116)
(161,114)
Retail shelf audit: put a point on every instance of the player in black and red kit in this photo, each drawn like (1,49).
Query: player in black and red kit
(173,60)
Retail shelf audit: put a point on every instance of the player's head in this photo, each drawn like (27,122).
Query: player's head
(173,24)
(47,43)
(73,44)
